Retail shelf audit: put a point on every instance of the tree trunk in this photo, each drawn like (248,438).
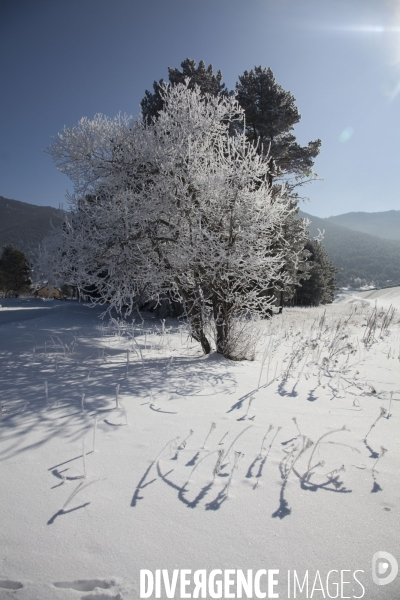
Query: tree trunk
(221,326)
(195,318)
(280,302)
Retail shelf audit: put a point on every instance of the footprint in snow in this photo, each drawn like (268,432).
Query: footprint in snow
(85,585)
(7,584)
(102,597)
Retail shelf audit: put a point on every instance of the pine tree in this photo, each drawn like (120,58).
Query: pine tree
(321,285)
(271,115)
(204,77)
(14,271)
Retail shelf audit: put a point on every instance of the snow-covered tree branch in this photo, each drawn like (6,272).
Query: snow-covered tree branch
(178,207)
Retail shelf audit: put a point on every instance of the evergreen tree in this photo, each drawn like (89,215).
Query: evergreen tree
(67,291)
(321,285)
(200,75)
(14,271)
(271,114)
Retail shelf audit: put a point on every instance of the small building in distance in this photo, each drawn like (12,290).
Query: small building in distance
(48,291)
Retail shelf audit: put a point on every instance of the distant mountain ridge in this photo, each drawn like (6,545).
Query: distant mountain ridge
(361,258)
(385,224)
(25,225)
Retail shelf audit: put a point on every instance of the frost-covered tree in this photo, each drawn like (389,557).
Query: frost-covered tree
(270,116)
(180,207)
(204,77)
(292,244)
(270,111)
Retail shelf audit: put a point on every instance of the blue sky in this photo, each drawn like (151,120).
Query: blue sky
(64,59)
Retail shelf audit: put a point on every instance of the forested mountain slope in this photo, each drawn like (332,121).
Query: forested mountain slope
(360,258)
(385,224)
(24,225)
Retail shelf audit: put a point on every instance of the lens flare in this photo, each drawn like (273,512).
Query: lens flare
(346,135)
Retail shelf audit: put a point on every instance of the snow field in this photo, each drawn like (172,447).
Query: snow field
(124,448)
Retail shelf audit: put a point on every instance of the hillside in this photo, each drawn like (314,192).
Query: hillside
(361,258)
(385,225)
(24,225)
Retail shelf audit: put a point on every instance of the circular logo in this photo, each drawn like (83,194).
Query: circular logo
(384,568)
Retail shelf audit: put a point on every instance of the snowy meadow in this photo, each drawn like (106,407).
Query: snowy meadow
(124,449)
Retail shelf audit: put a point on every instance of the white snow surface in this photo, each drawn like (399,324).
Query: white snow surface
(150,495)
(384,297)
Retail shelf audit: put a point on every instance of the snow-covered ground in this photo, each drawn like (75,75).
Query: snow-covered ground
(384,298)
(122,449)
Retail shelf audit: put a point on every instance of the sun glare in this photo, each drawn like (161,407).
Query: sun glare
(371,29)
(389,34)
